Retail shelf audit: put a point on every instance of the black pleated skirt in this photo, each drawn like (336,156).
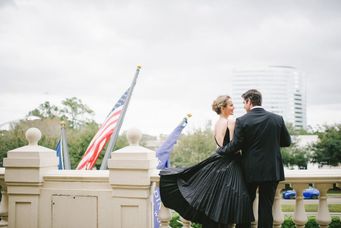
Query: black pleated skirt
(212,192)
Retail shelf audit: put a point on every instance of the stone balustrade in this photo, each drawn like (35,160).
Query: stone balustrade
(322,179)
(36,194)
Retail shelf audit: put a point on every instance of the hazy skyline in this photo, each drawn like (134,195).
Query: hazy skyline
(52,50)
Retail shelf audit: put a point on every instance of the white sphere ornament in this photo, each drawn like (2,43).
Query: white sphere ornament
(33,135)
(134,136)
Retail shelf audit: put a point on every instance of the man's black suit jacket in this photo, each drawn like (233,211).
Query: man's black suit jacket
(260,134)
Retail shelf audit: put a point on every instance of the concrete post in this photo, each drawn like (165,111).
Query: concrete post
(130,169)
(25,168)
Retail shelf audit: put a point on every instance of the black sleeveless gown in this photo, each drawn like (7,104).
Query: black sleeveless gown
(212,192)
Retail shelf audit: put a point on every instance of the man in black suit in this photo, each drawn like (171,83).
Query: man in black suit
(259,134)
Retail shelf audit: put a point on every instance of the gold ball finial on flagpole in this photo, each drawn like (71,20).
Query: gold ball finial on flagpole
(189,115)
(139,67)
(62,124)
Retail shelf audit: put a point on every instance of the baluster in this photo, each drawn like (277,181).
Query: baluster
(165,216)
(255,211)
(300,216)
(185,223)
(4,206)
(323,216)
(277,209)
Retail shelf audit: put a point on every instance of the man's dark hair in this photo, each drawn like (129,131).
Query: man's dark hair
(254,96)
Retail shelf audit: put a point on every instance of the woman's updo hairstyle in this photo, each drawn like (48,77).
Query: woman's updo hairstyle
(220,102)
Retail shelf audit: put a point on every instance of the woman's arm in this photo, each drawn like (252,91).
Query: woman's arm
(230,124)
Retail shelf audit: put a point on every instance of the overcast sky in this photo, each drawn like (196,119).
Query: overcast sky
(57,49)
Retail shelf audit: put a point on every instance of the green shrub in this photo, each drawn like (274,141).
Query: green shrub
(175,221)
(288,223)
(312,223)
(196,225)
(336,223)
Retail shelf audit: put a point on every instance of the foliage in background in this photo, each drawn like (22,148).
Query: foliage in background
(298,131)
(327,151)
(72,111)
(336,223)
(15,137)
(288,223)
(79,140)
(176,223)
(295,155)
(79,130)
(75,112)
(334,208)
(45,110)
(193,147)
(10,140)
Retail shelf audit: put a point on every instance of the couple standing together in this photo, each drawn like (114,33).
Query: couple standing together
(220,190)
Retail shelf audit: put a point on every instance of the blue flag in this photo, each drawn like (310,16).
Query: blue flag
(59,151)
(162,154)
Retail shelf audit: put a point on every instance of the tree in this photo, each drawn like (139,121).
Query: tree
(15,136)
(45,110)
(297,131)
(295,155)
(10,140)
(193,148)
(79,140)
(79,129)
(327,151)
(75,111)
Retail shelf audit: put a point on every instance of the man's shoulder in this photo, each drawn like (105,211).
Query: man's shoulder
(274,116)
(243,118)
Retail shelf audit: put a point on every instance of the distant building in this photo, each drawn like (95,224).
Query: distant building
(282,87)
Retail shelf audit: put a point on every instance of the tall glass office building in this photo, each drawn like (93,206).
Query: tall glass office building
(282,88)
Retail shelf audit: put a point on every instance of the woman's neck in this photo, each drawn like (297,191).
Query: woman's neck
(224,116)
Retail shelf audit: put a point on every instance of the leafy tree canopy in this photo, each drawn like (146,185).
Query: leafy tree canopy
(193,148)
(79,129)
(72,111)
(327,151)
(298,131)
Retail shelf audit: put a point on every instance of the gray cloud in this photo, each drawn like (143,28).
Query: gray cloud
(188,49)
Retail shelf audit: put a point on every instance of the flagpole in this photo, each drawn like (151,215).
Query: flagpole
(114,136)
(65,150)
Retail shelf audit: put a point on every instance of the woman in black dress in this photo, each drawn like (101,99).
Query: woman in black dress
(213,192)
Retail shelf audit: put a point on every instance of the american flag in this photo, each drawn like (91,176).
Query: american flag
(103,135)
